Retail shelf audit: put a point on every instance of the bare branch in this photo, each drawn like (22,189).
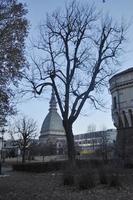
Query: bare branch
(78,54)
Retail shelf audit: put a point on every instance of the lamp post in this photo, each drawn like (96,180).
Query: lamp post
(2,133)
(1,158)
(0,161)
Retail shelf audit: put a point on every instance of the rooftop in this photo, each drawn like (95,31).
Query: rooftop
(129,70)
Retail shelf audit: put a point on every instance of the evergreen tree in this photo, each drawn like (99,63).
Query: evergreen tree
(13,31)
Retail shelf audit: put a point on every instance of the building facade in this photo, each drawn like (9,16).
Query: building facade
(94,140)
(121,88)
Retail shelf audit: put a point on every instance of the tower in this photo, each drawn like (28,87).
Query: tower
(52,131)
(121,88)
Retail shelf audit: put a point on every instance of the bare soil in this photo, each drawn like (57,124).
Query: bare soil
(49,186)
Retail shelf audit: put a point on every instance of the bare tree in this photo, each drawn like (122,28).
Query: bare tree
(26,130)
(77,54)
(48,149)
(104,147)
(91,127)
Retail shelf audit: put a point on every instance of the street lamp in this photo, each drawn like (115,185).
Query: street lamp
(2,133)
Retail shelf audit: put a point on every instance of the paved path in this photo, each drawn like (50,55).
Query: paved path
(6,170)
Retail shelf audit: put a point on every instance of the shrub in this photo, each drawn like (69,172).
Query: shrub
(40,167)
(82,175)
(114,180)
(128,164)
(93,163)
(86,180)
(96,163)
(103,177)
(109,175)
(68,179)
(69,175)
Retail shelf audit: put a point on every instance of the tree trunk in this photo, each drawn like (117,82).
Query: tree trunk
(23,155)
(70,141)
(0,168)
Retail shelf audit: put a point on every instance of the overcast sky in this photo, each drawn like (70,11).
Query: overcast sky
(37,10)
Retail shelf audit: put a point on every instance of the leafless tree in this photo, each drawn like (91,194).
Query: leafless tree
(47,149)
(78,49)
(91,127)
(104,147)
(26,130)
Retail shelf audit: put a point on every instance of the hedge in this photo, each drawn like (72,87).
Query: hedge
(53,165)
(39,167)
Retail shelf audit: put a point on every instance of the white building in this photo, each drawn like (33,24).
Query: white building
(93,140)
(121,88)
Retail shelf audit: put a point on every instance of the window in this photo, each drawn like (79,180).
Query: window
(125,119)
(114,103)
(131,116)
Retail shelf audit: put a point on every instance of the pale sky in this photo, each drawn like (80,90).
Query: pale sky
(36,109)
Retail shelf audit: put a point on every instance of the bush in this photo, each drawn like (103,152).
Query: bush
(128,164)
(103,178)
(40,167)
(86,180)
(53,165)
(114,180)
(69,175)
(109,175)
(82,177)
(68,179)
(93,163)
(96,163)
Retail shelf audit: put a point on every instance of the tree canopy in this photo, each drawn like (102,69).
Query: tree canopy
(13,31)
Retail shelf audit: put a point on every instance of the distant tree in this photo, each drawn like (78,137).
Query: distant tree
(26,130)
(104,147)
(77,49)
(103,128)
(13,30)
(91,128)
(35,149)
(46,149)
(49,149)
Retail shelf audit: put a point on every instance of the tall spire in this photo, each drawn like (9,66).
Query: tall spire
(52,103)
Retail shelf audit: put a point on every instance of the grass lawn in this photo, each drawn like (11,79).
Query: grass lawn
(49,186)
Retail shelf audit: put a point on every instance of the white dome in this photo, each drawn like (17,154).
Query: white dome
(52,123)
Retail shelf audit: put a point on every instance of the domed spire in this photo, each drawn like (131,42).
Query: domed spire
(52,124)
(52,103)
